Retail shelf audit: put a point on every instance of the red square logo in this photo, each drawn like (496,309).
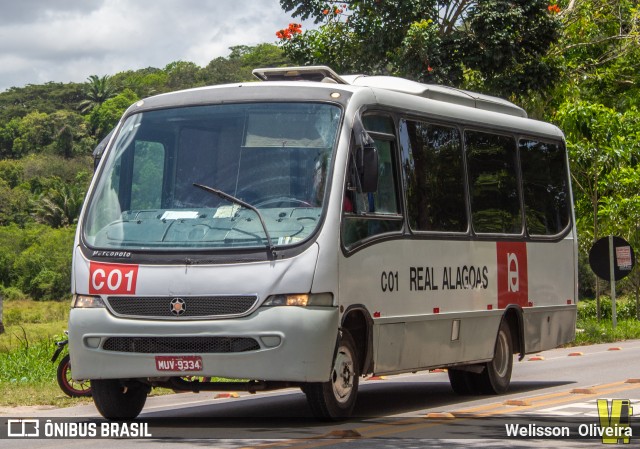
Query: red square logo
(112,278)
(513,286)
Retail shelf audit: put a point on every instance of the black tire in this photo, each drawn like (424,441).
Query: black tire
(117,400)
(335,399)
(462,382)
(70,387)
(496,376)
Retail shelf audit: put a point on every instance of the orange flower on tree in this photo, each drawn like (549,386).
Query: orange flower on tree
(553,9)
(295,28)
(290,31)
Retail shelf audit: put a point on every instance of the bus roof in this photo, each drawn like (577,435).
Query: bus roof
(431,91)
(313,83)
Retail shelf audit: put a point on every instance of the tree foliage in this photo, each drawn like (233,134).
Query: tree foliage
(600,49)
(503,41)
(106,116)
(573,62)
(47,134)
(98,90)
(604,149)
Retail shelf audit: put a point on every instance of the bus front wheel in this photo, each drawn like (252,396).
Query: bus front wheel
(115,399)
(335,399)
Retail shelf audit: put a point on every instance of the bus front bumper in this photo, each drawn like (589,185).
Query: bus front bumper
(293,344)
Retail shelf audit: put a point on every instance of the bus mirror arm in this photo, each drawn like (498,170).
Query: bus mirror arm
(367,164)
(98,151)
(366,157)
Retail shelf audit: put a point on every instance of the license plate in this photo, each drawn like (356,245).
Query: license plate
(179,363)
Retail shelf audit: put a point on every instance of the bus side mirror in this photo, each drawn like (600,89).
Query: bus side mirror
(367,165)
(99,150)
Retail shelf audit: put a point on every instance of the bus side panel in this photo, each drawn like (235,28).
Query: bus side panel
(548,327)
(435,341)
(415,290)
(551,273)
(550,318)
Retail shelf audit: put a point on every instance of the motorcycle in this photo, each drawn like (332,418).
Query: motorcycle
(72,388)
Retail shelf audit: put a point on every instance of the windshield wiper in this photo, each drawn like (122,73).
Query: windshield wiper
(246,205)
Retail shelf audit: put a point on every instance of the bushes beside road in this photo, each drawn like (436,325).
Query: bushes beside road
(591,331)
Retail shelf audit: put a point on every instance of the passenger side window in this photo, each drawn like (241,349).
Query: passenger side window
(384,200)
(367,214)
(545,187)
(493,183)
(434,177)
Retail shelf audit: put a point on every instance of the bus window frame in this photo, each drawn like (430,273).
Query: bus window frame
(567,173)
(466,234)
(397,116)
(400,216)
(495,235)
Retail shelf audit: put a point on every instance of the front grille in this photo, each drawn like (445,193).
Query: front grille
(180,345)
(194,306)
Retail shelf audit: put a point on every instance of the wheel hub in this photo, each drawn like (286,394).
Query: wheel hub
(343,375)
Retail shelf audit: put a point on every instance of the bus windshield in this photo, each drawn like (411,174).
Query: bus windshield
(274,157)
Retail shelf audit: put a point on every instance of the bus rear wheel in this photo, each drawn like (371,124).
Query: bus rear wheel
(335,399)
(116,399)
(492,377)
(463,382)
(496,376)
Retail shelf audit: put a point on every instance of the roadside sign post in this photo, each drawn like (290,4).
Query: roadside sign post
(612,259)
(612,276)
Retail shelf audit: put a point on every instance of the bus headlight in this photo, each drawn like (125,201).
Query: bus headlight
(300,300)
(88,302)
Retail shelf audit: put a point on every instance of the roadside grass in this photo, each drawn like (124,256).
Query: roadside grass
(27,322)
(28,377)
(590,331)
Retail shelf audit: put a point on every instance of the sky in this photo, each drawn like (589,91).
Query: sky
(69,40)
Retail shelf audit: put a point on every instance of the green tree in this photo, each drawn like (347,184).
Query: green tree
(104,118)
(62,132)
(503,41)
(600,47)
(35,132)
(261,55)
(241,61)
(71,136)
(10,248)
(42,269)
(604,149)
(11,172)
(183,75)
(98,90)
(61,203)
(14,204)
(17,102)
(144,82)
(38,168)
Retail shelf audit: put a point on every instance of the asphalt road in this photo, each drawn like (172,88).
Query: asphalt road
(558,393)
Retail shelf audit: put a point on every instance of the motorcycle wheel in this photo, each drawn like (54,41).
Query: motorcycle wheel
(72,388)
